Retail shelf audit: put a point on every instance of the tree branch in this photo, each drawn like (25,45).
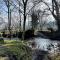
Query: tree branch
(33,6)
(23,1)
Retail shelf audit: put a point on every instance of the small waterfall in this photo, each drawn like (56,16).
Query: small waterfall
(42,43)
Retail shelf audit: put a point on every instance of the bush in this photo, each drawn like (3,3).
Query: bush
(19,34)
(20,50)
(1,40)
(29,34)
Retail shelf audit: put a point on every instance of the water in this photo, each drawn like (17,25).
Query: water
(40,53)
(42,43)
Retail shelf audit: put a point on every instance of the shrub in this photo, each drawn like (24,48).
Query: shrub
(1,40)
(20,50)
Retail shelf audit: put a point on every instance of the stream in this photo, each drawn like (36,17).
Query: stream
(42,45)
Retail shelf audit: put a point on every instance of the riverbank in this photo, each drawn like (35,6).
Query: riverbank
(33,49)
(15,49)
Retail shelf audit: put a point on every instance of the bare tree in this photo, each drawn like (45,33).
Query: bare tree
(8,4)
(25,5)
(41,15)
(55,7)
(19,10)
(34,20)
(54,11)
(25,14)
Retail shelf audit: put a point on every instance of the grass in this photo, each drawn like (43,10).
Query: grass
(56,57)
(18,48)
(4,58)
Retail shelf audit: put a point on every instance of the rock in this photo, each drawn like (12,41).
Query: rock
(39,55)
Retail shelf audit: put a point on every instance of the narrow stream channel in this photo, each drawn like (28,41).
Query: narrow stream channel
(42,44)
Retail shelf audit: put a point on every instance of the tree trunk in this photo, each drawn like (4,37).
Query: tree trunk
(23,35)
(10,25)
(9,20)
(57,15)
(19,16)
(57,18)
(58,23)
(34,20)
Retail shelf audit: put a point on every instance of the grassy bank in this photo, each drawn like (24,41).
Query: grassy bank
(18,48)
